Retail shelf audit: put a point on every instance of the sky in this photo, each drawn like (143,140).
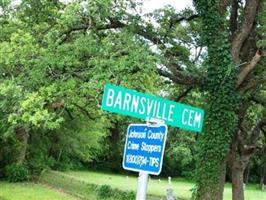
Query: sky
(151,5)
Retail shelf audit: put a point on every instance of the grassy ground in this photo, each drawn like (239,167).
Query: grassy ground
(181,187)
(30,191)
(78,183)
(83,189)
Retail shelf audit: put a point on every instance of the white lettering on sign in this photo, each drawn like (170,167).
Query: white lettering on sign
(154,162)
(133,146)
(191,118)
(149,106)
(137,159)
(134,104)
(197,119)
(140,105)
(183,116)
(150,148)
(134,134)
(158,111)
(144,147)
(164,112)
(118,100)
(110,98)
(170,117)
(127,101)
(155,136)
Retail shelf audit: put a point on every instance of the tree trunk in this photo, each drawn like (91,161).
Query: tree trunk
(246,174)
(215,192)
(237,182)
(114,139)
(238,162)
(262,177)
(22,136)
(220,188)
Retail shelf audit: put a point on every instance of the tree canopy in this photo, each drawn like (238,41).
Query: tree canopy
(56,57)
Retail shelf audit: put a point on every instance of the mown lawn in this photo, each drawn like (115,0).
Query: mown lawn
(181,187)
(30,191)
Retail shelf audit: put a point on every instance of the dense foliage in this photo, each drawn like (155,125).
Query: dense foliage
(52,80)
(222,97)
(56,57)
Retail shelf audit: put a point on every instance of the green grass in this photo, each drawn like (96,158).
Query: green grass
(181,187)
(83,189)
(70,184)
(78,183)
(30,191)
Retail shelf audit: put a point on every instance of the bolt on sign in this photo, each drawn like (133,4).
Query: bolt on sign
(145,106)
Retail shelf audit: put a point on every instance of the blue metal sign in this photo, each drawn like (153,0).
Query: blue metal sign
(144,148)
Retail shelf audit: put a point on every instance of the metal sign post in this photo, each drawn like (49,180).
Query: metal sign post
(143,180)
(144,149)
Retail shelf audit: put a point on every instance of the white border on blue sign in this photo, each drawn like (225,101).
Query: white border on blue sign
(150,125)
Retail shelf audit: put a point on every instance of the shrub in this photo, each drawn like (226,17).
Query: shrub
(122,195)
(17,173)
(104,191)
(107,192)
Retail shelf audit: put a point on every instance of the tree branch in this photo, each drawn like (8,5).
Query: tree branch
(258,101)
(264,132)
(242,112)
(233,17)
(183,94)
(69,113)
(237,142)
(223,5)
(250,11)
(180,78)
(255,83)
(176,20)
(150,35)
(250,67)
(114,24)
(197,56)
(254,137)
(84,111)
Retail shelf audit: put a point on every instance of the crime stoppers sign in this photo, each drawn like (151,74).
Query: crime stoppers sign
(144,148)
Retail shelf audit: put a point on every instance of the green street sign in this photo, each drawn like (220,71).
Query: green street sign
(144,106)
